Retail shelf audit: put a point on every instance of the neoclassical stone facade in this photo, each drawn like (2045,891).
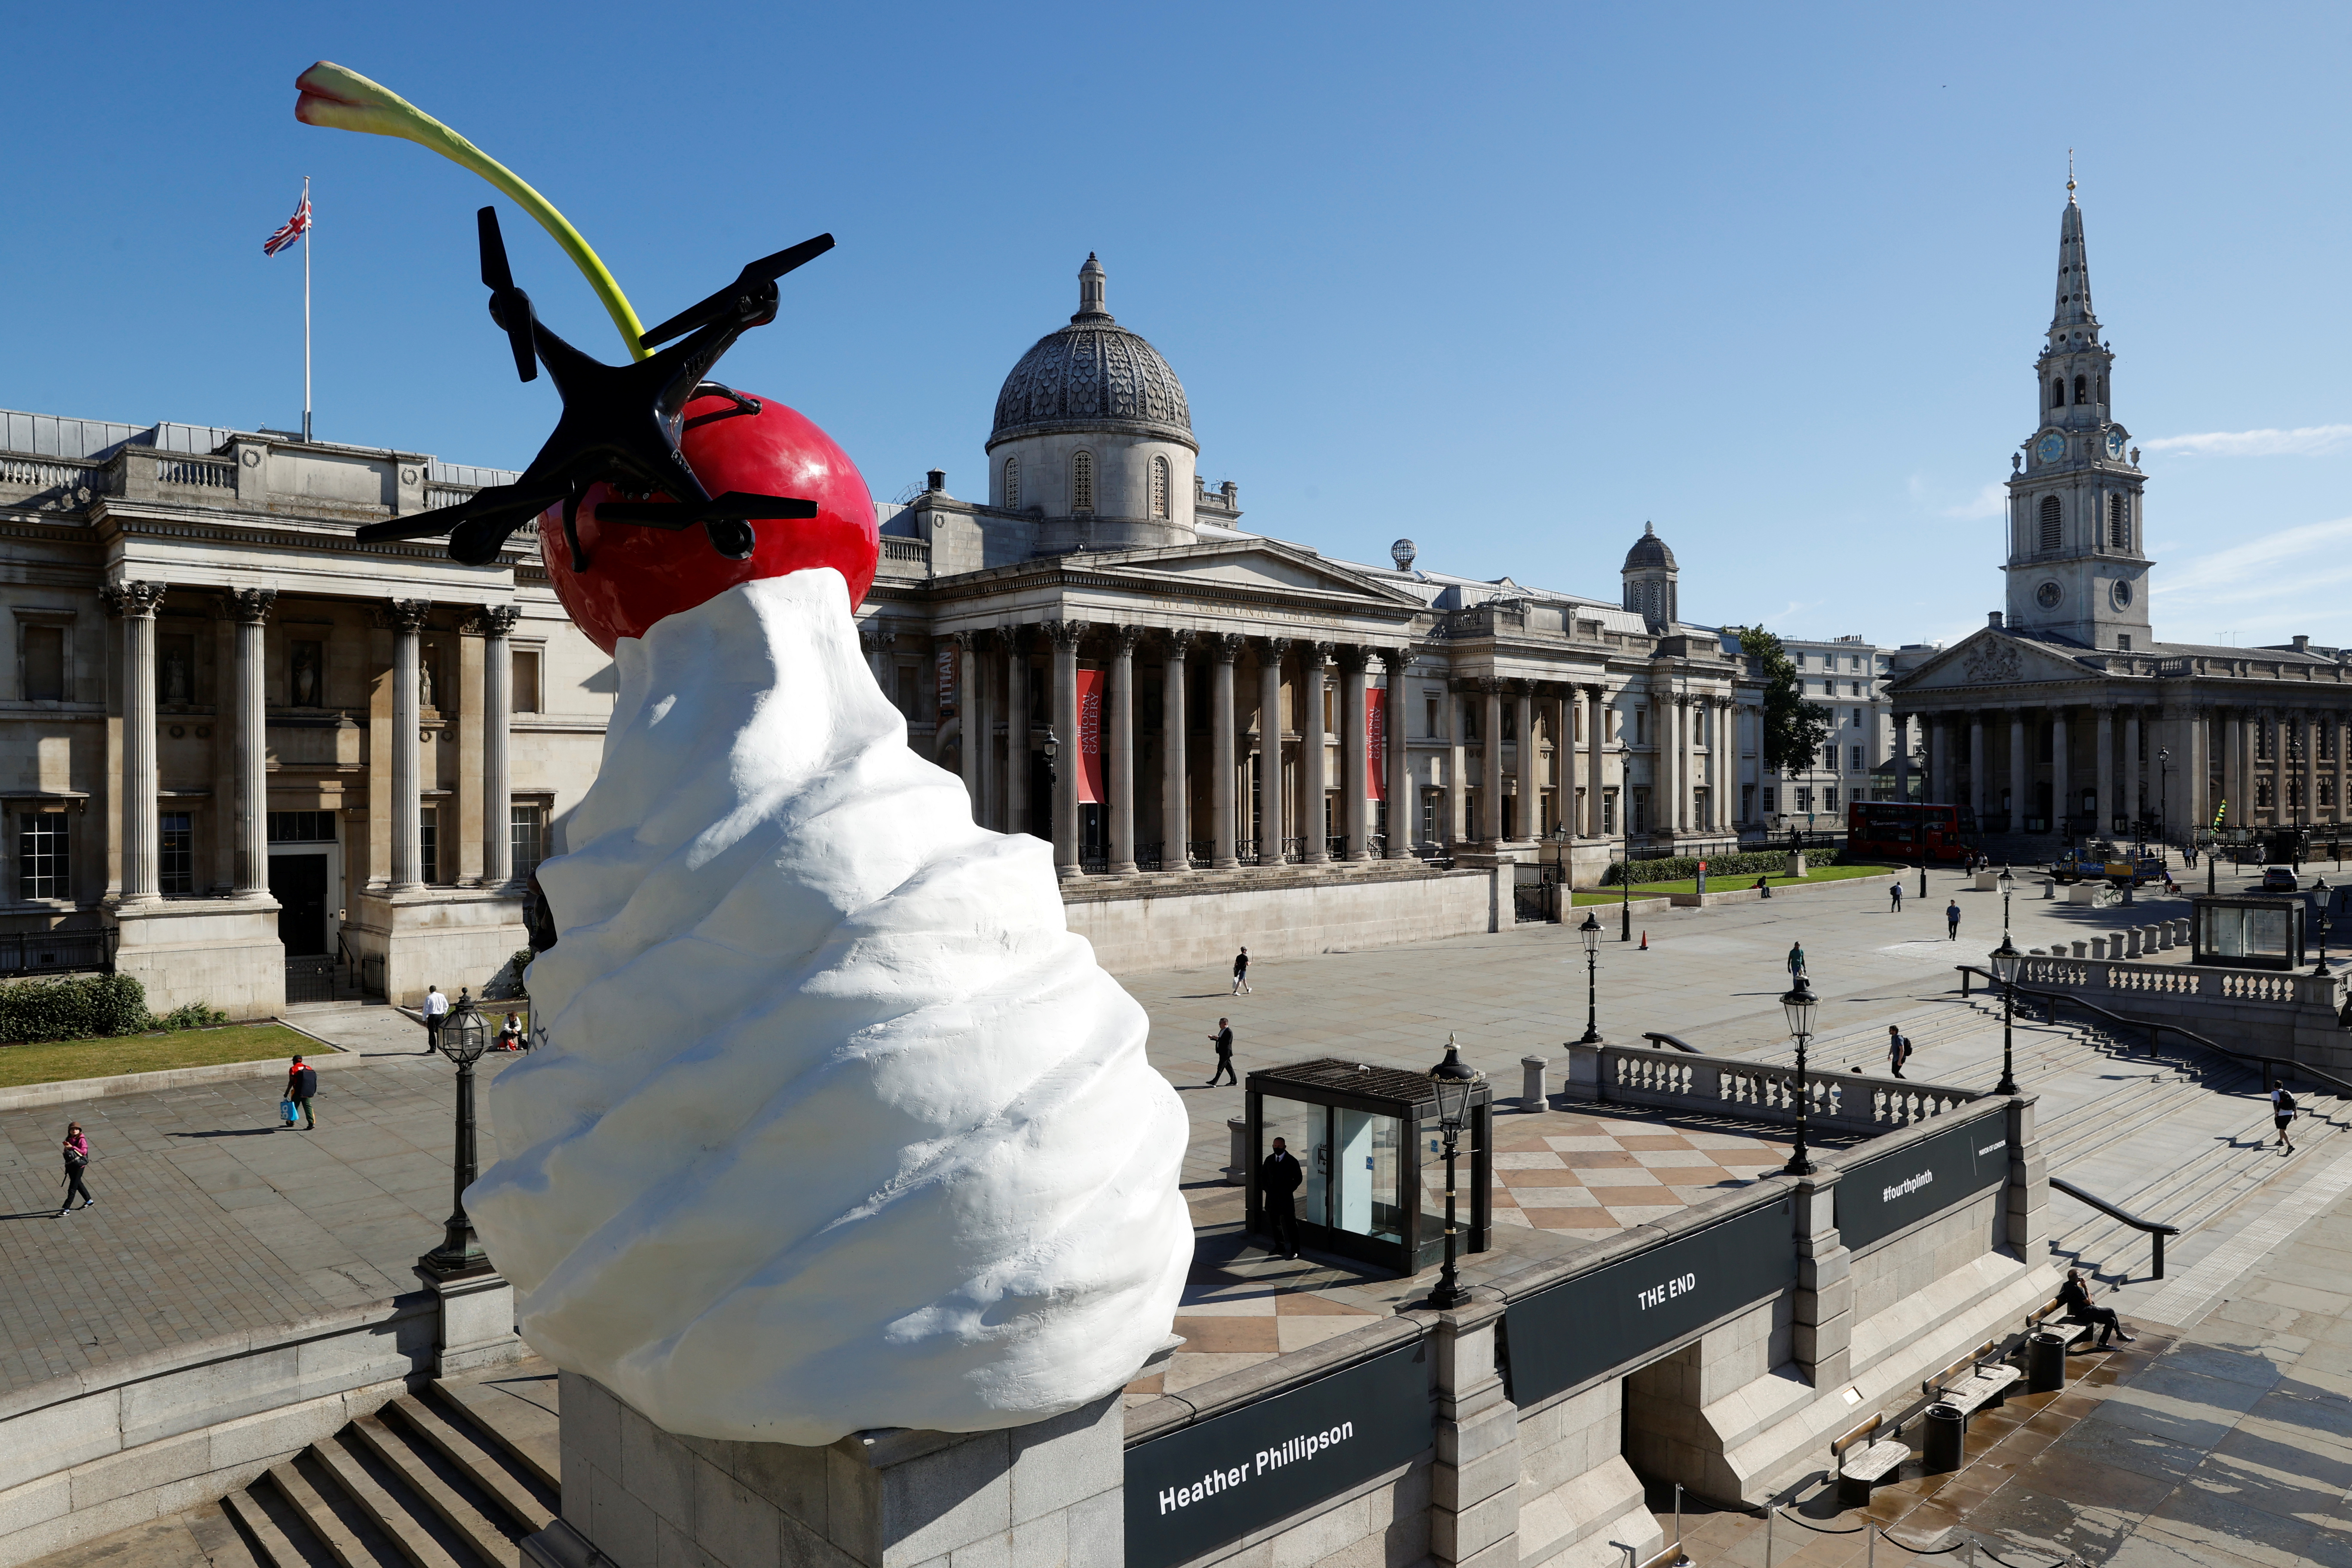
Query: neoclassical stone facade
(2065,716)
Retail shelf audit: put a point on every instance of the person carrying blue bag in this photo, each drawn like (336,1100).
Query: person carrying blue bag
(301,1087)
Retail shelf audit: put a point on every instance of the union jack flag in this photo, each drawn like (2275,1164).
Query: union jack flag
(292,229)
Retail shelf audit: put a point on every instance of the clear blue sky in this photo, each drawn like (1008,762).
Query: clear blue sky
(1508,280)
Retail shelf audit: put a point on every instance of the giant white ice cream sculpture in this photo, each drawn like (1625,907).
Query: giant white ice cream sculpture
(831,1123)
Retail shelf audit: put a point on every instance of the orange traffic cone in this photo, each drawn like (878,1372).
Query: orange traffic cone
(1645,943)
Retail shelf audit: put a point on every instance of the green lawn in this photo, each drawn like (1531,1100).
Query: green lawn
(51,1061)
(1733,884)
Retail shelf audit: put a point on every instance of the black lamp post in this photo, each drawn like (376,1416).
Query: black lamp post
(2164,796)
(1590,932)
(1053,750)
(2322,891)
(2212,870)
(1625,897)
(462,1039)
(2005,960)
(1453,1079)
(1800,1004)
(2007,882)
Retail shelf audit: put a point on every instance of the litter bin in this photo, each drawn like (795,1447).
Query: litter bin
(2045,1361)
(1939,1448)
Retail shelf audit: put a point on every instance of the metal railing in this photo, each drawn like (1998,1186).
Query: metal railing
(1662,1038)
(2153,1228)
(58,951)
(1336,846)
(1294,850)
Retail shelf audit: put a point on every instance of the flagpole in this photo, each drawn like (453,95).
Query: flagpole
(306,309)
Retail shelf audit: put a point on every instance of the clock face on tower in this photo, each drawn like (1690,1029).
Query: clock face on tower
(2051,447)
(2114,443)
(2047,595)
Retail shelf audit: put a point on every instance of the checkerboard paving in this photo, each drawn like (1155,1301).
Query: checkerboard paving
(1249,1311)
(1589,1176)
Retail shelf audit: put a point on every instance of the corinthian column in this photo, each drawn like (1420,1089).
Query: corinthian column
(1270,749)
(1227,646)
(1523,765)
(1314,658)
(2103,773)
(135,602)
(407,619)
(250,608)
(1490,774)
(1354,753)
(1173,856)
(497,749)
(1596,753)
(1399,784)
(1122,749)
(969,718)
(1016,731)
(1065,635)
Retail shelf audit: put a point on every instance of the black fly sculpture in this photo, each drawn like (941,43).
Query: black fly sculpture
(621,423)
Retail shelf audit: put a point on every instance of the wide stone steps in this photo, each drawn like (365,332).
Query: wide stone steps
(453,1477)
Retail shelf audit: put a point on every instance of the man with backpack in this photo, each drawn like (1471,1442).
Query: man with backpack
(2283,1117)
(1898,1050)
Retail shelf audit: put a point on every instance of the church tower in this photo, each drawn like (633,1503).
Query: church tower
(2076,570)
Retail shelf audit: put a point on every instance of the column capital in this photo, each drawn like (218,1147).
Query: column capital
(1277,646)
(497,620)
(404,615)
(1316,654)
(2106,710)
(963,640)
(1397,659)
(1598,691)
(1353,657)
(1125,637)
(1180,641)
(132,598)
(1065,634)
(1227,645)
(877,636)
(1007,638)
(250,606)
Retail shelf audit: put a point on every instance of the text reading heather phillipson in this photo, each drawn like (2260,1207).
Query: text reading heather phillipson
(1305,1446)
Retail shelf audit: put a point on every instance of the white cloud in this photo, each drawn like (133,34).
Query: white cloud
(1989,502)
(2292,580)
(2305,441)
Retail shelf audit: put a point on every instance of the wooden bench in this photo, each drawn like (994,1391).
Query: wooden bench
(1862,1463)
(1987,1388)
(2039,1318)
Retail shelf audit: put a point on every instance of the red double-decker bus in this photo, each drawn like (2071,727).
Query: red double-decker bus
(1904,830)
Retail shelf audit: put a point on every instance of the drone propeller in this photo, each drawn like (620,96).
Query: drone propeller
(754,280)
(509,306)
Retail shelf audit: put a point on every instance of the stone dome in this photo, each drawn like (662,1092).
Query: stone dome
(1649,554)
(1093,374)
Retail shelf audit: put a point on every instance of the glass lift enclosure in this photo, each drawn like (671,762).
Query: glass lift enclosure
(1369,1143)
(2248,932)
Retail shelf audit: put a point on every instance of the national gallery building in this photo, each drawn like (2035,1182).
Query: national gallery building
(238,749)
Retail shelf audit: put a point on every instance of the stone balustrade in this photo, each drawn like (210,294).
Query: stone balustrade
(1756,1091)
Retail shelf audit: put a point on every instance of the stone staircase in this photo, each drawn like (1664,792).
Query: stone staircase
(453,1476)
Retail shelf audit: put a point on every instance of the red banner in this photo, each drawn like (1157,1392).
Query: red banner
(1091,787)
(1376,743)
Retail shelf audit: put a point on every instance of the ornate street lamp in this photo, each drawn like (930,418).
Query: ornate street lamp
(462,1039)
(1625,897)
(1453,1079)
(2322,891)
(1590,932)
(2008,883)
(2005,960)
(1800,1004)
(1053,750)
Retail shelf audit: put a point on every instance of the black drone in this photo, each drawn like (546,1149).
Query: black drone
(621,423)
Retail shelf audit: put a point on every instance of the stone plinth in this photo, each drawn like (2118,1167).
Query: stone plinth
(477,1320)
(456,938)
(220,952)
(1041,1496)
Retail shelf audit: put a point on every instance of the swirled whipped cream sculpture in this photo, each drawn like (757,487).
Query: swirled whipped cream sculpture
(833,1125)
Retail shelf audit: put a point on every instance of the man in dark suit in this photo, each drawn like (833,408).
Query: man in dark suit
(1277,1178)
(1224,1040)
(301,1087)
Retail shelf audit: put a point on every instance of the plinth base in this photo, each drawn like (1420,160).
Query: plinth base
(477,1321)
(635,1495)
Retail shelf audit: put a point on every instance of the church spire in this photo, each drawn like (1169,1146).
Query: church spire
(2072,322)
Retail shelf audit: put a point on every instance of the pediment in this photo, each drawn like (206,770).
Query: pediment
(1255,562)
(1989,657)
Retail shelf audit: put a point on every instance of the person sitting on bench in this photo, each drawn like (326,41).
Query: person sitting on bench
(2075,1300)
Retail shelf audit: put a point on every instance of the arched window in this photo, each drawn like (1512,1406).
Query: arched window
(2058,392)
(2048,540)
(2082,389)
(1082,481)
(2118,521)
(2103,389)
(1159,486)
(1013,484)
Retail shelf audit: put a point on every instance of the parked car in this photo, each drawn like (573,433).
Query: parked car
(2279,879)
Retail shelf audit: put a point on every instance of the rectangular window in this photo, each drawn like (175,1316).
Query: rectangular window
(1640,726)
(1829,757)
(45,664)
(526,681)
(1429,727)
(1429,799)
(1746,803)
(2123,643)
(301,828)
(1510,721)
(1608,811)
(1330,711)
(1638,821)
(428,843)
(527,837)
(1771,800)
(41,856)
(178,845)
(1856,766)
(1829,798)
(1804,800)
(306,675)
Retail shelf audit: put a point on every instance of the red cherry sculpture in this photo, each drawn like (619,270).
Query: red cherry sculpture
(636,576)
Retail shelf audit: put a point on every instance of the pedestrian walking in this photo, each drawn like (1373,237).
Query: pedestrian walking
(77,1152)
(1796,960)
(1241,973)
(436,1007)
(1894,896)
(1898,1050)
(1224,1040)
(1278,1177)
(1952,920)
(2283,1117)
(302,1088)
(2075,1299)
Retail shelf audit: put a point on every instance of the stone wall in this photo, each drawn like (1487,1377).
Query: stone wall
(86,1454)
(1159,926)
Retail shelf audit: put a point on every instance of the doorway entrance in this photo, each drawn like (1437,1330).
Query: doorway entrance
(298,883)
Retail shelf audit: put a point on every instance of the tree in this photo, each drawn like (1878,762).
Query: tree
(1794,729)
